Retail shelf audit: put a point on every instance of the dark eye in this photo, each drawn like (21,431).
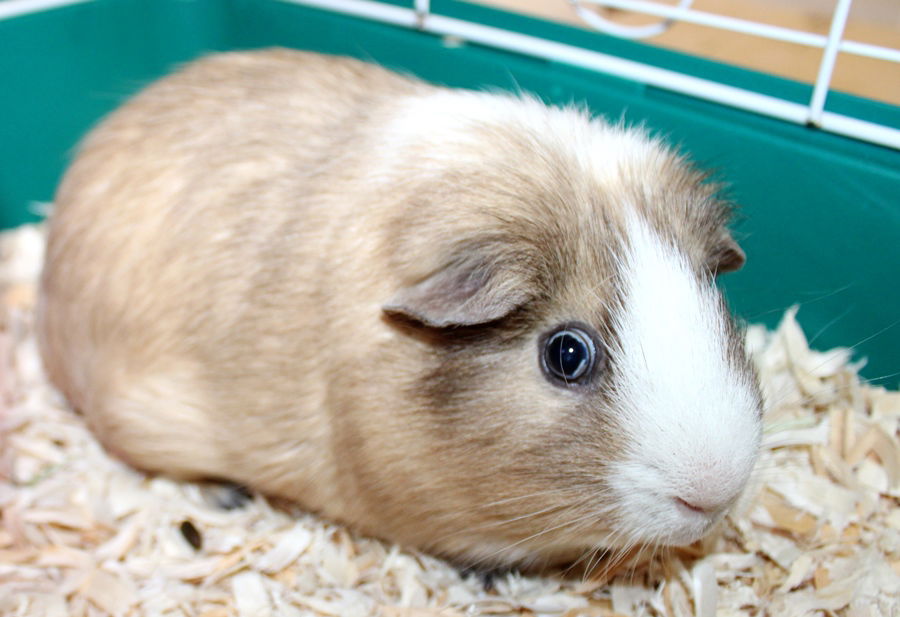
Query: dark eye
(569,354)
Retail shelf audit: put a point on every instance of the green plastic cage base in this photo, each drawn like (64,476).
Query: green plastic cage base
(820,219)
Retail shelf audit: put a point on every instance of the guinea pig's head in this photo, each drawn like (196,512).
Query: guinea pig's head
(584,384)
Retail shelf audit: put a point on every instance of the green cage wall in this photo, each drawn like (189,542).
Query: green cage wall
(820,214)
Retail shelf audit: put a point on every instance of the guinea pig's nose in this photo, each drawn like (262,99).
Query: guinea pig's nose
(707,499)
(708,486)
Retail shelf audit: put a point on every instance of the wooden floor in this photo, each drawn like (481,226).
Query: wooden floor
(871,21)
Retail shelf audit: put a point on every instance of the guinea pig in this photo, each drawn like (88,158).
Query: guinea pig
(465,322)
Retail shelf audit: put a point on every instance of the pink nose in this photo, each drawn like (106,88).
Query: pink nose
(709,489)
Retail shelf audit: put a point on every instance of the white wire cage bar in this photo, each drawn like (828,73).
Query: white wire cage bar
(733,24)
(14,8)
(421,16)
(831,44)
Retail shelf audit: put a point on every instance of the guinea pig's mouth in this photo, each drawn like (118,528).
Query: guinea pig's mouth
(667,521)
(692,511)
(691,522)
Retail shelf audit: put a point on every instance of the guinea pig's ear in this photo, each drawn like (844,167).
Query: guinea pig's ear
(726,255)
(466,292)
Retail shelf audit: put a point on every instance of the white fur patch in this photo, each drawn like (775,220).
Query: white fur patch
(443,119)
(691,416)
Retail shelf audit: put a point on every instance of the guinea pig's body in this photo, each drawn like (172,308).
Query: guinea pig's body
(373,296)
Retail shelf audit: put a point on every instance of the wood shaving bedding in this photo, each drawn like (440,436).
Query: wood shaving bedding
(817,532)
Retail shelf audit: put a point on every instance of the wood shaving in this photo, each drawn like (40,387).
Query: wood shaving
(81,534)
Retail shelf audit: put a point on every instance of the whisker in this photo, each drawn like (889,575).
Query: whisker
(813,300)
(872,380)
(599,550)
(593,552)
(596,555)
(521,517)
(562,507)
(594,291)
(613,565)
(528,496)
(854,346)
(828,325)
(614,556)
(857,381)
(509,547)
(873,335)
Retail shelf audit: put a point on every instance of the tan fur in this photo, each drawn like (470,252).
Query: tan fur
(218,261)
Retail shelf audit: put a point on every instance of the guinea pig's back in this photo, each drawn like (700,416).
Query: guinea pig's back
(182,212)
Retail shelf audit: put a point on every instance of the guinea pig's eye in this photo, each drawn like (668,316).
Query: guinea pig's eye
(569,354)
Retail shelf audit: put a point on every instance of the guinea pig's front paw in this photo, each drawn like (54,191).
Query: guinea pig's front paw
(227,495)
(487,577)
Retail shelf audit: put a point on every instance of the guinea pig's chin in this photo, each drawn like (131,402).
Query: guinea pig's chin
(668,526)
(689,531)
